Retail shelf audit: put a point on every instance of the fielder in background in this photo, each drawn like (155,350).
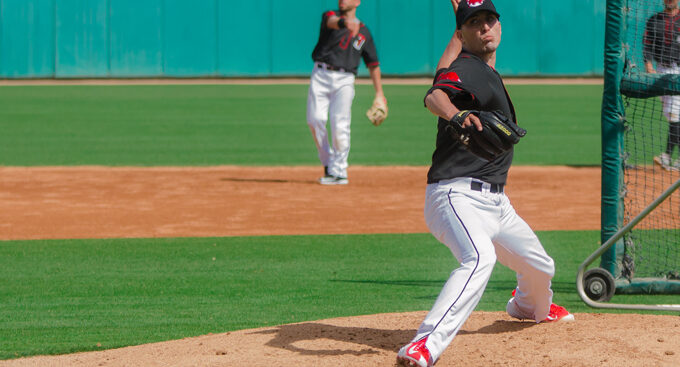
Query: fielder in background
(662,45)
(343,42)
(465,205)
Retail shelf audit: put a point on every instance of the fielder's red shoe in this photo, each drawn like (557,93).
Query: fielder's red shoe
(415,354)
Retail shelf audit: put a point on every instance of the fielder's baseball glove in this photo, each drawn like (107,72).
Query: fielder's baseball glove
(498,133)
(378,111)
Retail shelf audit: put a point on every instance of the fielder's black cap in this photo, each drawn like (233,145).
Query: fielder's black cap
(468,8)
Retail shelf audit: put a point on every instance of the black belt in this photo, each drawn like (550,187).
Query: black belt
(494,189)
(323,65)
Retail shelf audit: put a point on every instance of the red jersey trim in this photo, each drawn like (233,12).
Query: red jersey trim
(373,64)
(668,28)
(454,87)
(446,85)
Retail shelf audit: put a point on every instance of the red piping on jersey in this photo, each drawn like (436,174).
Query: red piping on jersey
(668,24)
(448,85)
(374,64)
(452,87)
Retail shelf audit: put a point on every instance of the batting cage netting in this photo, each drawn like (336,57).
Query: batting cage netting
(643,147)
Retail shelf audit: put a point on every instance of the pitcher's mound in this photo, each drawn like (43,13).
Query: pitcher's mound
(486,339)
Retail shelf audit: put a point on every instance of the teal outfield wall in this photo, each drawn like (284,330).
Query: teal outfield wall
(229,38)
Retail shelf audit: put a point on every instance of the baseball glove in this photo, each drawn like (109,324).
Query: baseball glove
(378,111)
(498,133)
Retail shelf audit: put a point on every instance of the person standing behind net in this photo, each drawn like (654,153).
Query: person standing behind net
(343,42)
(661,45)
(465,205)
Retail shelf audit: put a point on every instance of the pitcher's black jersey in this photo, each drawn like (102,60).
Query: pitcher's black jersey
(471,84)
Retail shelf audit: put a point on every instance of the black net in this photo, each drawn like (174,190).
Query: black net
(651,154)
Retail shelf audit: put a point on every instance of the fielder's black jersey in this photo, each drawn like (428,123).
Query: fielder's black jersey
(662,39)
(336,48)
(470,84)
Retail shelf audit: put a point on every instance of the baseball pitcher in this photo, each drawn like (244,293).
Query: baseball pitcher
(465,203)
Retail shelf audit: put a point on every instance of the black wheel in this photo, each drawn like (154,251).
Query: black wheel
(599,284)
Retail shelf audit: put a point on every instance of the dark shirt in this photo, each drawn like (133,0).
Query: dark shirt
(470,84)
(661,42)
(335,47)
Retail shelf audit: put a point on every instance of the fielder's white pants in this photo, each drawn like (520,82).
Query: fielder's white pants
(480,228)
(671,104)
(330,95)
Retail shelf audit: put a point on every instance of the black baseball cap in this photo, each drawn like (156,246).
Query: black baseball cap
(468,8)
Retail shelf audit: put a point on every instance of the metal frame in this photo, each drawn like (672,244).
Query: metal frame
(611,241)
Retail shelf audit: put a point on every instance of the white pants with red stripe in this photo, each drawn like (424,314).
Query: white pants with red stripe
(330,98)
(480,228)
(671,104)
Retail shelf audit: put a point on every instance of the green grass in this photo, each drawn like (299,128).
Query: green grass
(152,125)
(563,124)
(647,131)
(63,296)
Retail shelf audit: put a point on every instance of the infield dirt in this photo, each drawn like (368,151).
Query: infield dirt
(105,202)
(137,202)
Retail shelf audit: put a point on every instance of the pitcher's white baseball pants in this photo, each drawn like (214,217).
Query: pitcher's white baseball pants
(330,95)
(480,227)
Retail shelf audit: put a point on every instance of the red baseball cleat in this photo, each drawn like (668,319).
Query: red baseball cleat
(415,354)
(558,314)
